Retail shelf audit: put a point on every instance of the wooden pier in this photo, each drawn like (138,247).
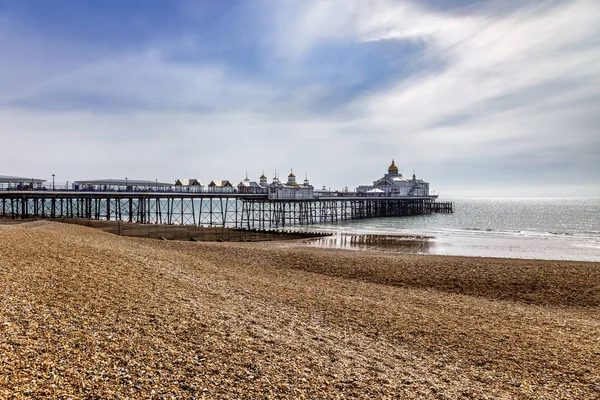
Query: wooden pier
(235,210)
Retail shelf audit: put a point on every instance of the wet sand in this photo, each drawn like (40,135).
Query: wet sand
(84,313)
(470,244)
(402,244)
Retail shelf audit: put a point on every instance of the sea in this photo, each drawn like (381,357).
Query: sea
(531,228)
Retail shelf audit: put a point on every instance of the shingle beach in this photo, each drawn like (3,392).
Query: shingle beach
(86,314)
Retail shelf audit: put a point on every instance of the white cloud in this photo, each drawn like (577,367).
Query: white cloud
(489,58)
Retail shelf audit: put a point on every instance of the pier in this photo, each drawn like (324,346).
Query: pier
(249,205)
(236,210)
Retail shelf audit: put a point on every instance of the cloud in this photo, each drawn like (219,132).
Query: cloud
(517,84)
(141,82)
(482,94)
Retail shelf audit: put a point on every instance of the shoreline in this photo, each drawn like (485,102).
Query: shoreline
(473,245)
(466,243)
(87,313)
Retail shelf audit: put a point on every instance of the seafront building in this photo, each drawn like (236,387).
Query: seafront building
(394,184)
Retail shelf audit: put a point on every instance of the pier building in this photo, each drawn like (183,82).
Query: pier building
(189,186)
(291,189)
(252,187)
(107,185)
(20,183)
(394,184)
(220,187)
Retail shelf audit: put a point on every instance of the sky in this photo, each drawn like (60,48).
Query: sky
(495,98)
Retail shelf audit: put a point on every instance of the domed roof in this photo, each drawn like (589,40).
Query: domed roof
(393,167)
(291,175)
(263,176)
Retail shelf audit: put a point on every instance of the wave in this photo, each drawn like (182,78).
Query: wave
(596,233)
(515,233)
(441,231)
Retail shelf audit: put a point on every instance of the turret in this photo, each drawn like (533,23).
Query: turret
(263,179)
(292,179)
(393,169)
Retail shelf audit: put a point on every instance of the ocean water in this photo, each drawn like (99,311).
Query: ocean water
(537,228)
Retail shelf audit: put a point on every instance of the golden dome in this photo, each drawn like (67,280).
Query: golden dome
(291,175)
(263,176)
(393,167)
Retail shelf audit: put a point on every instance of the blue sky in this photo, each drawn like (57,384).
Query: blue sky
(488,97)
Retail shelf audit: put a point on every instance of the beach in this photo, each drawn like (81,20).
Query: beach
(84,313)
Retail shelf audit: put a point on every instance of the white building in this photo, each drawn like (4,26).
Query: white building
(19,183)
(252,187)
(394,184)
(126,185)
(189,185)
(220,187)
(291,190)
